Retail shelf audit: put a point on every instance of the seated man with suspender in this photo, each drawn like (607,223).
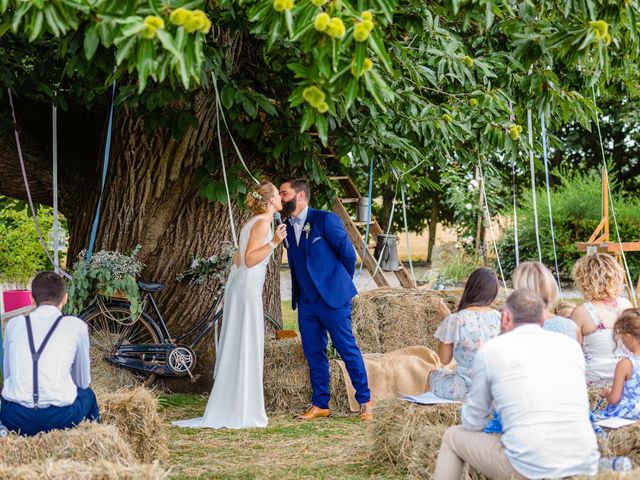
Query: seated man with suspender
(46,365)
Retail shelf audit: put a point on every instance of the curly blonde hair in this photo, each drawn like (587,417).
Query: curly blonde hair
(598,276)
(258,197)
(628,322)
(537,278)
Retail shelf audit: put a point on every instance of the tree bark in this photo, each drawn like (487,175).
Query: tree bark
(150,200)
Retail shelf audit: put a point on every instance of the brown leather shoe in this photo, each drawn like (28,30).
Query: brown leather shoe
(314,413)
(366,411)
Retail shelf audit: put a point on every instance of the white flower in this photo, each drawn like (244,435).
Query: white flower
(468,206)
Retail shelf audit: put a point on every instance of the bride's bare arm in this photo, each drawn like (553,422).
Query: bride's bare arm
(257,250)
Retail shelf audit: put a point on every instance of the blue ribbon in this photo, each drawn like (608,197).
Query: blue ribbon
(105,167)
(546,174)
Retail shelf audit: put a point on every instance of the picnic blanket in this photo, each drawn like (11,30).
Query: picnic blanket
(394,374)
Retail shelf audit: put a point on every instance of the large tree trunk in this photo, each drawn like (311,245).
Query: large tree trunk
(149,200)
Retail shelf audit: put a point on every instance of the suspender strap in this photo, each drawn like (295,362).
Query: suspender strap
(35,355)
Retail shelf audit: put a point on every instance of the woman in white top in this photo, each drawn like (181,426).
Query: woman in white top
(462,333)
(237,397)
(600,279)
(537,278)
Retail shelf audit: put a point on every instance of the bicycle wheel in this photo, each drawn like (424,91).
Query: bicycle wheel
(110,326)
(269,320)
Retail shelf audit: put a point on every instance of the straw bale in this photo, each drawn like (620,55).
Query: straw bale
(425,451)
(387,319)
(88,442)
(396,425)
(622,442)
(106,377)
(72,470)
(135,414)
(287,387)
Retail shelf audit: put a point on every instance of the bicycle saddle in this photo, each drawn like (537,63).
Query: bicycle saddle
(150,286)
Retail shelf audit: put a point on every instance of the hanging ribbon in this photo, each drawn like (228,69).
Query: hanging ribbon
(366,231)
(533,184)
(224,119)
(105,168)
(28,190)
(612,206)
(493,235)
(546,175)
(514,194)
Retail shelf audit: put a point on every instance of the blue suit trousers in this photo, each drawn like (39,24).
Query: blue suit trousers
(31,421)
(316,319)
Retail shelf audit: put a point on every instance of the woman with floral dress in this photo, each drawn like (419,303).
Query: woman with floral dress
(462,333)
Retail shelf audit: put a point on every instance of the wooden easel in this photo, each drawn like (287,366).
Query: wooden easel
(600,242)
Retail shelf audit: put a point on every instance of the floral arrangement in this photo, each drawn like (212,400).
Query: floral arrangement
(214,268)
(108,273)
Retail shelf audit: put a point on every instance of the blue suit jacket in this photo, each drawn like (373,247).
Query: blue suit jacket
(329,257)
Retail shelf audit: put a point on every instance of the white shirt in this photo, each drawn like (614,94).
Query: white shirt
(63,365)
(298,227)
(536,381)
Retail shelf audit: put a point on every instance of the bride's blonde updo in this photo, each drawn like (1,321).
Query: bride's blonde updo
(258,197)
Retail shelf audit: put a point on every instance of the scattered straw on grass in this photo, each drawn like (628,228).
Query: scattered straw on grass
(387,319)
(89,442)
(397,423)
(71,470)
(135,414)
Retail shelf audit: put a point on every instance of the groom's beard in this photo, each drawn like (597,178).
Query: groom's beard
(289,207)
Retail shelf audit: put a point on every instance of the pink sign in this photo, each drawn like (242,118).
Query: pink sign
(15,299)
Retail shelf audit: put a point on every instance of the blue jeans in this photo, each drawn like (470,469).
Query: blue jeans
(31,421)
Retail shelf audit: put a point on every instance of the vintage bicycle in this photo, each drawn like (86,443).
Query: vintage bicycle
(144,344)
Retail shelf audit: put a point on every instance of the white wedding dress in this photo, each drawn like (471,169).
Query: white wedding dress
(237,397)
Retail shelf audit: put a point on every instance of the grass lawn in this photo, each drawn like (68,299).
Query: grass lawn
(333,448)
(289,317)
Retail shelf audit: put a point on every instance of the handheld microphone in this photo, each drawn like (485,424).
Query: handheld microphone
(278,219)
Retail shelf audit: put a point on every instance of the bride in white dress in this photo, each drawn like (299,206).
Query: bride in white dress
(237,397)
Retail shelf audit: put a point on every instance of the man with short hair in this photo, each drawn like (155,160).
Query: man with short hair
(46,365)
(535,379)
(322,262)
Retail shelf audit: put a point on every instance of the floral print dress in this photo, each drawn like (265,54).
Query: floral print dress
(629,405)
(467,330)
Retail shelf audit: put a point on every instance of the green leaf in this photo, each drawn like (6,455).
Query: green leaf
(351,93)
(322,126)
(288,19)
(377,45)
(308,119)
(361,52)
(91,41)
(167,42)
(227,95)
(36,27)
(273,33)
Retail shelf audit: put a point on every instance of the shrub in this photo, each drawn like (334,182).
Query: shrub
(577,210)
(21,255)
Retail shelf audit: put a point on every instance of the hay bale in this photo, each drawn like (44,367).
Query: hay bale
(387,319)
(71,470)
(622,442)
(89,442)
(106,377)
(287,387)
(426,447)
(396,425)
(286,376)
(135,414)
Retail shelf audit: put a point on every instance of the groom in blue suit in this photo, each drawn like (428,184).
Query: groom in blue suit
(322,262)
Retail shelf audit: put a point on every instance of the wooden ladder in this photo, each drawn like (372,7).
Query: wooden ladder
(357,237)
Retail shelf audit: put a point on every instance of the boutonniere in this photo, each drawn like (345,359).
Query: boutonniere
(307,230)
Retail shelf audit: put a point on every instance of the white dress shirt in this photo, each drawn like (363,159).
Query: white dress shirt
(536,381)
(299,226)
(63,365)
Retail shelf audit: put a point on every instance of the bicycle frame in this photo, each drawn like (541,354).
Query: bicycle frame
(201,329)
